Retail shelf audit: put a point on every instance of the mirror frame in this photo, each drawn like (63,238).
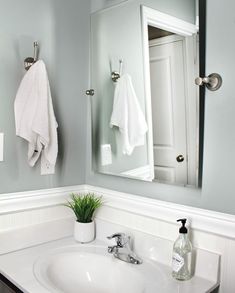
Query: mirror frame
(202,5)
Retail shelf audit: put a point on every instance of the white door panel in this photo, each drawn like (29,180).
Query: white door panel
(168,88)
(162,109)
(165,174)
(165,156)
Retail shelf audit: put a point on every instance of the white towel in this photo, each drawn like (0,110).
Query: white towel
(34,118)
(128,116)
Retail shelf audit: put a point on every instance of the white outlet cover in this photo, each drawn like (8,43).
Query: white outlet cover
(106,154)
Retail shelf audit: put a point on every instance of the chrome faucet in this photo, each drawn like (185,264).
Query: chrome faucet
(122,250)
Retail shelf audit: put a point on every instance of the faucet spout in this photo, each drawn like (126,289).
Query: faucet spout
(113,249)
(122,250)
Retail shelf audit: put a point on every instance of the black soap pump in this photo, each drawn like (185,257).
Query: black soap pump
(183,229)
(182,254)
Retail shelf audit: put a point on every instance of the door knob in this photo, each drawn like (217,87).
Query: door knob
(90,92)
(180,158)
(213,81)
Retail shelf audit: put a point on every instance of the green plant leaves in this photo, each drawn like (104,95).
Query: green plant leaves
(84,206)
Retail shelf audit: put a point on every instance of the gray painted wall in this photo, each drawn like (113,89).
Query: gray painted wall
(100,4)
(62,31)
(218,189)
(179,8)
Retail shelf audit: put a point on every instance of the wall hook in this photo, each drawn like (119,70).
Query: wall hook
(213,81)
(116,75)
(29,61)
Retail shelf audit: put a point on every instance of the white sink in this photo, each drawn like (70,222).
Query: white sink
(90,269)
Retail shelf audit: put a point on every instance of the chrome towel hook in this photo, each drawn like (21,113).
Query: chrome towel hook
(213,81)
(116,75)
(29,61)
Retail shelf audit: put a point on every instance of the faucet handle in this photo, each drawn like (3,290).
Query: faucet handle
(120,238)
(116,235)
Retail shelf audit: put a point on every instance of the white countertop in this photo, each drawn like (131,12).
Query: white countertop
(18,268)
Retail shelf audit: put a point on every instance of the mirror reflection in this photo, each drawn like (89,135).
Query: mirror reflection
(145,111)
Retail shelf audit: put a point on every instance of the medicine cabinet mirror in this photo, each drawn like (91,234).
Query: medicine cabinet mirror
(144,61)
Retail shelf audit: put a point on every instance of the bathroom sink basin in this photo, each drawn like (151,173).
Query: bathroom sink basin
(90,269)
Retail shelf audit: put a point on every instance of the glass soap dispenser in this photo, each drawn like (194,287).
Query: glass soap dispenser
(182,255)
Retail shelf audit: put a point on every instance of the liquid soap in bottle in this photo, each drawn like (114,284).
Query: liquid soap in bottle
(182,255)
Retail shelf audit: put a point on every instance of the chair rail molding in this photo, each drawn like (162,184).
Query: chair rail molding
(199,219)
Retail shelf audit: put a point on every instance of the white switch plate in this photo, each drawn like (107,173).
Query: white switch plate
(106,155)
(1,146)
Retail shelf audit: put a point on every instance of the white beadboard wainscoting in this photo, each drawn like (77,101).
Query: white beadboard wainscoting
(31,218)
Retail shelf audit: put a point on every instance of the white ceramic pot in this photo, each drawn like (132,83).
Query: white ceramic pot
(84,232)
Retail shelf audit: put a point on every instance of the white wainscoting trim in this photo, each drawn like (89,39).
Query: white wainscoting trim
(27,200)
(199,219)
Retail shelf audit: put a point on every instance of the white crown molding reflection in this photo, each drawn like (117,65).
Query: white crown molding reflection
(167,22)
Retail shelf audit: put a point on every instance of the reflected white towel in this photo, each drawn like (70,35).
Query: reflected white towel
(127,115)
(34,118)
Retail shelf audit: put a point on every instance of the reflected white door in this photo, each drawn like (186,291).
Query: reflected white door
(168,90)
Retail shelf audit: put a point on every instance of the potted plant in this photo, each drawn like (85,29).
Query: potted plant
(84,207)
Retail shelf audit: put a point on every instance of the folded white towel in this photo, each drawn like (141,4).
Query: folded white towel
(34,118)
(127,115)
